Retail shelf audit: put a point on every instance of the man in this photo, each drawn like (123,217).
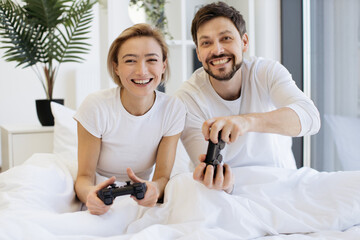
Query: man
(254,103)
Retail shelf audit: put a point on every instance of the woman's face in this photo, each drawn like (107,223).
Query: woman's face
(140,65)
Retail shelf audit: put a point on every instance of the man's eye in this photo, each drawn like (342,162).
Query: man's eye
(205,43)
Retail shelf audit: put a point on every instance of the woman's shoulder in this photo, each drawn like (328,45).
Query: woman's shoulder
(103,96)
(166,101)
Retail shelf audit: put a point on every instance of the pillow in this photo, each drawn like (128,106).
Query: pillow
(65,131)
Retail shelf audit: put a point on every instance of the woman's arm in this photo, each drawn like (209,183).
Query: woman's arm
(164,163)
(85,188)
(88,155)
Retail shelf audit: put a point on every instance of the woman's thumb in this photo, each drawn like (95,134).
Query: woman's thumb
(132,176)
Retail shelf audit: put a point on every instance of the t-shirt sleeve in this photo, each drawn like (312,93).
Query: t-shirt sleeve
(192,138)
(175,118)
(91,115)
(285,93)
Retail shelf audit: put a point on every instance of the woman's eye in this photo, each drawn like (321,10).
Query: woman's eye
(152,60)
(129,61)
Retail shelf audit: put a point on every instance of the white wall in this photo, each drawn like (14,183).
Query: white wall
(19,87)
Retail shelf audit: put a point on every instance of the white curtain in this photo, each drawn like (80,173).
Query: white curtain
(335,78)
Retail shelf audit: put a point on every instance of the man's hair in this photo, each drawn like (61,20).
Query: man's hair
(138,30)
(213,10)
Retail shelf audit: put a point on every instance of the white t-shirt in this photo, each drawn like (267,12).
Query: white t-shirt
(128,140)
(266,86)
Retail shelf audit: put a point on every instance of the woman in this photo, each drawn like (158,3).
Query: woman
(124,131)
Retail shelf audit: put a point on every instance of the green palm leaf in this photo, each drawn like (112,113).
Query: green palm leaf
(46,32)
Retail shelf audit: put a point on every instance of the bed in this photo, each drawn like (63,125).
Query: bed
(37,201)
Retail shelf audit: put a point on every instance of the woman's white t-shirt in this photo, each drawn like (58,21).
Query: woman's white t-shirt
(128,140)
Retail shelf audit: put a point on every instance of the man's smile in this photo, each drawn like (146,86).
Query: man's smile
(221,61)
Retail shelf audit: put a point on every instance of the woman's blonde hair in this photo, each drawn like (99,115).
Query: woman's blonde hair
(138,30)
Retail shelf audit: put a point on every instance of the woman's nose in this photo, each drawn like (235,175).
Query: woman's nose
(141,68)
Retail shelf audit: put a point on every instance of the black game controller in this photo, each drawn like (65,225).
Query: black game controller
(213,156)
(108,194)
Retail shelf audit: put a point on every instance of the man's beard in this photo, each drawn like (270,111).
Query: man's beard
(225,76)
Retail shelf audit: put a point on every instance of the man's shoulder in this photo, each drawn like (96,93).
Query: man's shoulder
(260,64)
(194,84)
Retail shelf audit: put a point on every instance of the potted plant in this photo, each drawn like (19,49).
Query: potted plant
(155,13)
(42,35)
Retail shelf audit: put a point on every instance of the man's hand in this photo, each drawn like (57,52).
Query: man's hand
(224,179)
(231,128)
(152,191)
(93,202)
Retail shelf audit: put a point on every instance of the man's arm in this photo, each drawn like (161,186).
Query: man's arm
(282,121)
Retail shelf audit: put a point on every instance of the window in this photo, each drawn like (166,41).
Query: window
(335,83)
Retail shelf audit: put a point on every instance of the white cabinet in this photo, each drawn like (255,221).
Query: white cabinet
(19,142)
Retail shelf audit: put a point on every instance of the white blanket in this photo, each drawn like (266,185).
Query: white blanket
(37,201)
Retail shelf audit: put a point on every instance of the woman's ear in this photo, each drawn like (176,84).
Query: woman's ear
(115,68)
(164,65)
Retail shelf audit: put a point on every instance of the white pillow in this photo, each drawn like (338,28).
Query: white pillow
(65,132)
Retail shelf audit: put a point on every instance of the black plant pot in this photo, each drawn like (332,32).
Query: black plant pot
(43,110)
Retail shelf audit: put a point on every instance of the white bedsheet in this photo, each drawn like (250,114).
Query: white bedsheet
(37,201)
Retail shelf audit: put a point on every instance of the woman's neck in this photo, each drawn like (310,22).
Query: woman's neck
(136,105)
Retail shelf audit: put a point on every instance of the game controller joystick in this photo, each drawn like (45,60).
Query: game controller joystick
(108,194)
(213,156)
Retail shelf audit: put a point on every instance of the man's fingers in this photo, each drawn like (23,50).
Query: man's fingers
(209,176)
(206,128)
(202,157)
(226,133)
(198,173)
(228,178)
(219,178)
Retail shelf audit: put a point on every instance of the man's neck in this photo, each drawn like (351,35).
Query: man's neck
(228,90)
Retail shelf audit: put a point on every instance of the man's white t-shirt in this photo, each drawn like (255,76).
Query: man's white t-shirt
(128,140)
(266,86)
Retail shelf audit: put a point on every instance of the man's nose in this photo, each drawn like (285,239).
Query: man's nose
(217,48)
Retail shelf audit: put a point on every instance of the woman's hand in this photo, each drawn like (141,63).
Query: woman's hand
(94,203)
(152,191)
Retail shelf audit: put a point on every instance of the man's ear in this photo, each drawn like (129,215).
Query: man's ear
(245,42)
(197,54)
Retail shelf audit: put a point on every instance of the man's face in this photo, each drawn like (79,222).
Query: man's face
(220,48)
